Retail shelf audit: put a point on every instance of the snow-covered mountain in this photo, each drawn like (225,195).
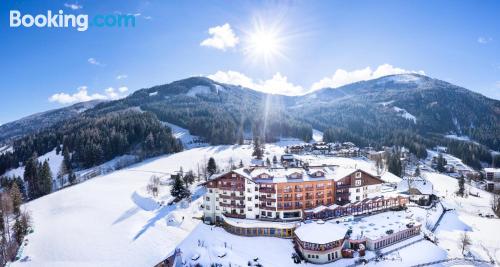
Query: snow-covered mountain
(410,110)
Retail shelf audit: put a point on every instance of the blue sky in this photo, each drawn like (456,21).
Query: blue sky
(308,44)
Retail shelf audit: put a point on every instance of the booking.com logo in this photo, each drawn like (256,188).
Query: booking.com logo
(60,20)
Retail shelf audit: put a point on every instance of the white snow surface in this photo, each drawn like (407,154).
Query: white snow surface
(108,221)
(188,140)
(405,114)
(465,217)
(55,162)
(5,149)
(317,135)
(199,89)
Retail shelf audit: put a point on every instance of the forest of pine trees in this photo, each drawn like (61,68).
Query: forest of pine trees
(92,141)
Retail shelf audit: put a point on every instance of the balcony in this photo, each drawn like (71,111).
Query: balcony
(264,198)
(232,188)
(232,205)
(267,190)
(235,215)
(232,197)
(309,188)
(264,207)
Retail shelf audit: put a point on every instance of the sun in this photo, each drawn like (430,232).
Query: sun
(264,43)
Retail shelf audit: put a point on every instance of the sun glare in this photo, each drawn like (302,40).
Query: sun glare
(264,43)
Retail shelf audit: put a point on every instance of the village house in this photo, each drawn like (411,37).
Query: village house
(492,176)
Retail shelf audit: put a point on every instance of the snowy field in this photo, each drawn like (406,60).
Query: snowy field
(464,217)
(108,220)
(111,221)
(54,164)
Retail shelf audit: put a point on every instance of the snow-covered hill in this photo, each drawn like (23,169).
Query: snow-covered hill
(106,221)
(53,158)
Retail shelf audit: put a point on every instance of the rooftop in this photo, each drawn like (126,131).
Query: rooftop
(376,226)
(320,232)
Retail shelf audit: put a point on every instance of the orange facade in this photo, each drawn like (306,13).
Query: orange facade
(304,195)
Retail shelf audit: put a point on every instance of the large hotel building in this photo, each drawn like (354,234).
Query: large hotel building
(290,194)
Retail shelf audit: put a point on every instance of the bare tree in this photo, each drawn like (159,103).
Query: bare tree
(153,186)
(495,204)
(464,241)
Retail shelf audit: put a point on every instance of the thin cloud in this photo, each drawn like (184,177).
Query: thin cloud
(343,77)
(278,84)
(74,6)
(82,95)
(222,37)
(94,61)
(484,40)
(121,76)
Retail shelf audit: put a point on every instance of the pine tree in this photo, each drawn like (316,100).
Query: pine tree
(441,162)
(241,164)
(61,173)
(461,186)
(268,162)
(275,160)
(17,199)
(178,190)
(45,179)
(71,177)
(31,176)
(258,152)
(417,172)
(211,167)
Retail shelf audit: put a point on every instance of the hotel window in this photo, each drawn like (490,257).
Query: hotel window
(208,207)
(358,175)
(210,191)
(207,198)
(233,175)
(358,182)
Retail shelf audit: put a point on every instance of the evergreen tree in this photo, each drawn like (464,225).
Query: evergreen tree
(417,172)
(441,162)
(258,151)
(275,160)
(45,179)
(211,167)
(394,164)
(461,186)
(188,178)
(268,162)
(31,176)
(71,177)
(178,190)
(17,199)
(241,164)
